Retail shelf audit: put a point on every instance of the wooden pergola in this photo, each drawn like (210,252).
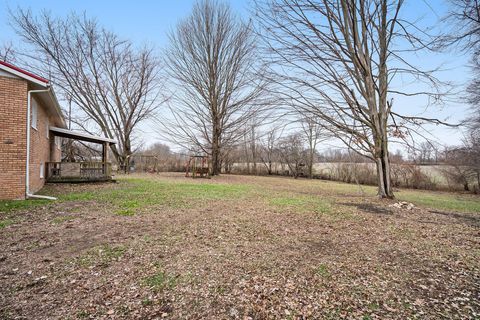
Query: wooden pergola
(80,171)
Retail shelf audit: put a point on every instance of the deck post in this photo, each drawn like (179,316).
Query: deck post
(104,157)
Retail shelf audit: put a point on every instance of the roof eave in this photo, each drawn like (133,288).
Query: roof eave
(58,110)
(61,132)
(24,74)
(36,80)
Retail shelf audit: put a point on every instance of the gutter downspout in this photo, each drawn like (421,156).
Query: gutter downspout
(28,195)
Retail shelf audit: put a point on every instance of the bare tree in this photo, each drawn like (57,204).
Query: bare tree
(471,152)
(250,145)
(425,153)
(473,91)
(314,134)
(7,53)
(212,59)
(230,155)
(463,21)
(464,163)
(339,60)
(292,152)
(463,33)
(115,86)
(160,150)
(268,150)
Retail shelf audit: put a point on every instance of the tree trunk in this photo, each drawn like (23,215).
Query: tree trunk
(310,163)
(382,161)
(216,154)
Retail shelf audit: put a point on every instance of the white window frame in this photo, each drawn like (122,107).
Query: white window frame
(42,170)
(34,114)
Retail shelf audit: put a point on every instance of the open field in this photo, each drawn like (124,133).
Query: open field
(433,175)
(238,247)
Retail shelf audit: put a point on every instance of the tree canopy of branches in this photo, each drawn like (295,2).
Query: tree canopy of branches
(464,34)
(464,162)
(464,22)
(268,148)
(113,84)
(212,60)
(293,153)
(7,53)
(337,59)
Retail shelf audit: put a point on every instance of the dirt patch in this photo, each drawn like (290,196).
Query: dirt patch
(237,258)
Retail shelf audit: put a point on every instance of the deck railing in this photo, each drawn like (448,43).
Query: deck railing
(63,171)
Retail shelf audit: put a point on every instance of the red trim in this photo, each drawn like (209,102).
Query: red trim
(11,66)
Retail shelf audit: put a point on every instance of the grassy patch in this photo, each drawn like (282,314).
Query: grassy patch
(101,255)
(435,200)
(79,196)
(83,314)
(147,302)
(5,222)
(133,195)
(128,207)
(13,205)
(302,203)
(322,270)
(160,281)
(440,200)
(62,219)
(342,188)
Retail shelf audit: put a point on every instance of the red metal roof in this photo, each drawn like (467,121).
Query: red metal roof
(11,66)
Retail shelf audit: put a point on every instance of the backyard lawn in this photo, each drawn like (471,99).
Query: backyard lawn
(238,247)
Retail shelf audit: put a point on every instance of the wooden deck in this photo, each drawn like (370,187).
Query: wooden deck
(78,171)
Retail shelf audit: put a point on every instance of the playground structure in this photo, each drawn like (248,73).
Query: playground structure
(197,167)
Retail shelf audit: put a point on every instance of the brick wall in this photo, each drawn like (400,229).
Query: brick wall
(13,109)
(43,148)
(13,142)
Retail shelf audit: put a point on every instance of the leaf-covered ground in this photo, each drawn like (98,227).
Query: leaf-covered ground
(236,247)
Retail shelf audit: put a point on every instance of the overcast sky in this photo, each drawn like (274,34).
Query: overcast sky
(150,21)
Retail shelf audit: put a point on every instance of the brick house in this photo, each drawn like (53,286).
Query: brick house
(21,91)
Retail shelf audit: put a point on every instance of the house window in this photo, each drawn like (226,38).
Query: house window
(42,170)
(34,114)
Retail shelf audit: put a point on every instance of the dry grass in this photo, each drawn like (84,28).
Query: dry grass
(236,247)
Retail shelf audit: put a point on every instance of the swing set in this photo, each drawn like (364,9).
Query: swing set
(197,167)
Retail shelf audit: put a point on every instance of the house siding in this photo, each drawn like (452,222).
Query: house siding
(13,142)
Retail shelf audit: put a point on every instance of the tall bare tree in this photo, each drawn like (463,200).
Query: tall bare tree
(339,59)
(212,60)
(114,85)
